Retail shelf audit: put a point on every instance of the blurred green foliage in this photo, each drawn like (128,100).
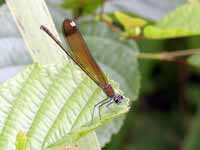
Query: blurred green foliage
(166,120)
(82,7)
(172,25)
(166,116)
(2,1)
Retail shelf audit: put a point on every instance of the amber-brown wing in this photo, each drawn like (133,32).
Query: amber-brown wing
(81,52)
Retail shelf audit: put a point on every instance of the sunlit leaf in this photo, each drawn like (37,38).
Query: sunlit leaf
(53,105)
(129,22)
(173,25)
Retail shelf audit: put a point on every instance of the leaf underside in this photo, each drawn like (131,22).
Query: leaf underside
(52,104)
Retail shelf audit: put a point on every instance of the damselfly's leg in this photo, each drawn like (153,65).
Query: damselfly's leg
(100,106)
(102,101)
(108,105)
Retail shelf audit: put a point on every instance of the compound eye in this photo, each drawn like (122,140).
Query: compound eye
(121,97)
(118,101)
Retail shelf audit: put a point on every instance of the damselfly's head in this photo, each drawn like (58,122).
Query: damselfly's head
(118,98)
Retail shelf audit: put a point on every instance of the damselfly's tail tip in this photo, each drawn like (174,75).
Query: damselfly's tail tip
(42,27)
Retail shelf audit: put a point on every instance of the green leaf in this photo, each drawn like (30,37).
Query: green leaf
(184,21)
(29,19)
(36,45)
(43,50)
(132,25)
(53,104)
(118,58)
(129,22)
(92,142)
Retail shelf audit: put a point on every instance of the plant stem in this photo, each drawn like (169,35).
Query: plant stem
(110,24)
(170,56)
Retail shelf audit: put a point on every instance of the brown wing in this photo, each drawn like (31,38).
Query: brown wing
(81,52)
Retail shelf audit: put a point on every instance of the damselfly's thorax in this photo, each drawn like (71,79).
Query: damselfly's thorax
(110,93)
